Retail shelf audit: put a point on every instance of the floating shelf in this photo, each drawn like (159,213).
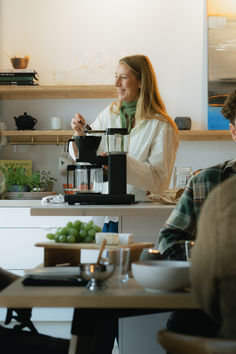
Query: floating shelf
(44,92)
(24,137)
(46,137)
(205,135)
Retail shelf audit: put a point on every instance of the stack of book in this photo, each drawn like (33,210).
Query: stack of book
(18,77)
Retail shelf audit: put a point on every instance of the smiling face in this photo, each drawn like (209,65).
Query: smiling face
(126,83)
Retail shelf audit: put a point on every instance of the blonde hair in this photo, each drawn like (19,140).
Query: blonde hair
(149,102)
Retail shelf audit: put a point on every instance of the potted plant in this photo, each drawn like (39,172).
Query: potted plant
(15,179)
(41,181)
(35,183)
(47,180)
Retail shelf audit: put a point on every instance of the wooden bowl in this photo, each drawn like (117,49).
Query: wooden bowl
(19,63)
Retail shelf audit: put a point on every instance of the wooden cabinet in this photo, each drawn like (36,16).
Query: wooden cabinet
(17,251)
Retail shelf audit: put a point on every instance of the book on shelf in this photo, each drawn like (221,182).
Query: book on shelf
(18,83)
(17,78)
(18,72)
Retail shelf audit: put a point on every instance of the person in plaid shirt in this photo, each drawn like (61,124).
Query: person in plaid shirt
(182,223)
(182,226)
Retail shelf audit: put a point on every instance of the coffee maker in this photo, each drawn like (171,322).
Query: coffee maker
(117,141)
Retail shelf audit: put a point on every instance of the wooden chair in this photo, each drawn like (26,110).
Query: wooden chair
(176,343)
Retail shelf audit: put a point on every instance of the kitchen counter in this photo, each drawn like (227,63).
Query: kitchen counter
(5,203)
(143,220)
(138,209)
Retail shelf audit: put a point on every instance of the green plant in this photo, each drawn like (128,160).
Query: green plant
(40,180)
(14,176)
(35,181)
(46,178)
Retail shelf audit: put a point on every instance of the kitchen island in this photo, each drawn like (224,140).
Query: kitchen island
(143,219)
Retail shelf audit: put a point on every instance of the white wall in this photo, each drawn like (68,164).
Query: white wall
(79,41)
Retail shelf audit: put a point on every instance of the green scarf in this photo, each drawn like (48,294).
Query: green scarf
(127,110)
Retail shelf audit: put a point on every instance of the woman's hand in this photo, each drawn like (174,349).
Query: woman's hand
(78,124)
(105,167)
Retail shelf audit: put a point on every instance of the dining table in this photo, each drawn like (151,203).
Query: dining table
(143,219)
(129,295)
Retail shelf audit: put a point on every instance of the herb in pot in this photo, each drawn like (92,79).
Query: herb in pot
(15,179)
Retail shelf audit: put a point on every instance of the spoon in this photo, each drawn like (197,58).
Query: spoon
(104,242)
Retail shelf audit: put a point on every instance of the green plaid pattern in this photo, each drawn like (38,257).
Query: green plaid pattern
(182,223)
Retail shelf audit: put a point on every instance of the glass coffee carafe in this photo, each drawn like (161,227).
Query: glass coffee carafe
(86,178)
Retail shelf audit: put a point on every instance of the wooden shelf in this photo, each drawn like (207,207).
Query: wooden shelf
(45,92)
(62,136)
(25,137)
(205,135)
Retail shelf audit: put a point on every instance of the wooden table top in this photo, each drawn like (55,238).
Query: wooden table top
(129,295)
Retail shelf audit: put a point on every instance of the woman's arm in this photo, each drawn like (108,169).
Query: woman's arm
(154,174)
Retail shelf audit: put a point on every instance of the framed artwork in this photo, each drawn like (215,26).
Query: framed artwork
(221,59)
(26,164)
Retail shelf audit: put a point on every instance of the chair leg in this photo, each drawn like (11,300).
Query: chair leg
(80,344)
(73,344)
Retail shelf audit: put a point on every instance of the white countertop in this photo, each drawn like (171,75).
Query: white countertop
(19,203)
(138,209)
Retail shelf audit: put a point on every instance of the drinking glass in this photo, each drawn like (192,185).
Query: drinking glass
(121,259)
(181,176)
(188,249)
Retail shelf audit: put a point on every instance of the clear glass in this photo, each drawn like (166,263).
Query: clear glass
(89,180)
(188,249)
(117,143)
(181,176)
(121,259)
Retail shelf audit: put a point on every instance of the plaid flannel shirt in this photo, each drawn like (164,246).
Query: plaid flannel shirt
(182,223)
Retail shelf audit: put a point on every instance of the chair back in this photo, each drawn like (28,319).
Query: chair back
(176,343)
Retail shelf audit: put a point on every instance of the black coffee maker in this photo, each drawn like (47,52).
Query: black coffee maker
(117,141)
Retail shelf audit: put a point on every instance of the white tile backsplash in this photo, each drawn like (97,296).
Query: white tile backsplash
(203,154)
(195,154)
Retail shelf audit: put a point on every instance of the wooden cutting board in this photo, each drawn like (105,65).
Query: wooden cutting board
(60,253)
(79,246)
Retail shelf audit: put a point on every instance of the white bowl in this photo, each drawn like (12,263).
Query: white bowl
(162,275)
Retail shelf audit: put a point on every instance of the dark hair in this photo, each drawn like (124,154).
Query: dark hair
(229,108)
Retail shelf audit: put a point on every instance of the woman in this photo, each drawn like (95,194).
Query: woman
(154,136)
(154,141)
